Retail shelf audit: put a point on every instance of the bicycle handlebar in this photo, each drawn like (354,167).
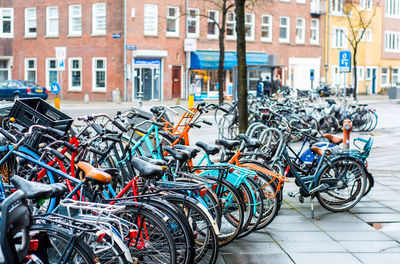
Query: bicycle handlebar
(183,108)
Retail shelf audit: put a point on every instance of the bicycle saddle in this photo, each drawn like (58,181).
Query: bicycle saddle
(180,155)
(191,149)
(94,174)
(154,161)
(319,151)
(209,149)
(146,169)
(37,190)
(249,142)
(334,139)
(228,144)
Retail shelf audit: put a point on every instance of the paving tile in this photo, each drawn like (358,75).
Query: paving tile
(300,236)
(312,247)
(373,218)
(295,218)
(239,247)
(256,258)
(329,226)
(358,235)
(366,210)
(325,258)
(275,226)
(368,204)
(370,246)
(380,258)
(257,236)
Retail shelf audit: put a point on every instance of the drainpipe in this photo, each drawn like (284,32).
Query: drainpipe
(327,43)
(125,72)
(187,64)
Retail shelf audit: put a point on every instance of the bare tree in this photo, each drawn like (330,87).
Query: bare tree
(359,20)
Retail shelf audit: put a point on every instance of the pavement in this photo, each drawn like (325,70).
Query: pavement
(368,233)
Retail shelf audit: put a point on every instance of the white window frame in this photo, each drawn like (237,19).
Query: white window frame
(233,23)
(48,70)
(336,7)
(363,4)
(360,73)
(195,18)
(344,38)
(49,20)
(30,69)
(175,19)
(11,19)
(71,17)
(367,37)
(287,26)
(392,41)
(387,77)
(8,68)
(94,70)
(316,29)
(27,33)
(315,6)
(286,1)
(302,2)
(150,21)
(269,26)
(70,87)
(392,9)
(395,74)
(95,19)
(369,5)
(215,21)
(303,30)
(250,24)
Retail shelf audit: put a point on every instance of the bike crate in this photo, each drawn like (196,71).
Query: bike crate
(35,111)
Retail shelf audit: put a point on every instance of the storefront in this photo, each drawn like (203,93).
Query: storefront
(204,71)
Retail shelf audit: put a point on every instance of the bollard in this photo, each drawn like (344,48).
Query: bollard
(57,102)
(347,126)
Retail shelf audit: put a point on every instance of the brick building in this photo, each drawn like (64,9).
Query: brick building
(90,30)
(6,38)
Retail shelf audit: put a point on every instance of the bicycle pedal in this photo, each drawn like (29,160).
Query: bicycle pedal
(292,194)
(321,187)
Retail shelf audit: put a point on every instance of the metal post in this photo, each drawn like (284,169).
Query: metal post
(187,65)
(125,74)
(61,86)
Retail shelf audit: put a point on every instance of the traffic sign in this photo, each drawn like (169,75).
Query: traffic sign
(61,53)
(345,61)
(61,65)
(55,88)
(312,74)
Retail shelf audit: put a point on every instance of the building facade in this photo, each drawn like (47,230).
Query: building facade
(6,39)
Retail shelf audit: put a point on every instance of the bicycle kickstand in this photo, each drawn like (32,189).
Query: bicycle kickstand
(312,208)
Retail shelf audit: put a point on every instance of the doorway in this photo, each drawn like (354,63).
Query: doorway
(176,81)
(147,82)
(373,81)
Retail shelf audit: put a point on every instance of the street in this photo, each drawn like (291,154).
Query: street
(369,233)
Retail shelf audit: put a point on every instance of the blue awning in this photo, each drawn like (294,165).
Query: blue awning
(209,60)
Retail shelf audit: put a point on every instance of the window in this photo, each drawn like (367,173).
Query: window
(300,30)
(392,8)
(314,6)
(30,22)
(212,28)
(337,7)
(193,20)
(6,22)
(384,76)
(369,4)
(360,73)
(75,74)
(51,72)
(99,74)
(52,21)
(395,76)
(339,38)
(172,21)
(266,28)
(362,4)
(392,41)
(75,20)
(301,1)
(230,25)
(249,26)
(314,31)
(368,73)
(367,36)
(99,20)
(5,70)
(150,20)
(284,29)
(30,70)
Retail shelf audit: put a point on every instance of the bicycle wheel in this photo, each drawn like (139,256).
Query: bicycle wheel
(58,245)
(345,180)
(206,241)
(222,109)
(151,242)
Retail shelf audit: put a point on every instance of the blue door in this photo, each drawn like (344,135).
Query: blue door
(374,81)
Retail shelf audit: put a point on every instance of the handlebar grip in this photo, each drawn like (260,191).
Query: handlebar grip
(223,110)
(69,146)
(96,151)
(8,136)
(57,154)
(207,123)
(54,131)
(97,128)
(111,138)
(109,131)
(119,126)
(196,125)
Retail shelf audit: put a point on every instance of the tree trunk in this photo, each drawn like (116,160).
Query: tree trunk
(221,70)
(355,72)
(242,67)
